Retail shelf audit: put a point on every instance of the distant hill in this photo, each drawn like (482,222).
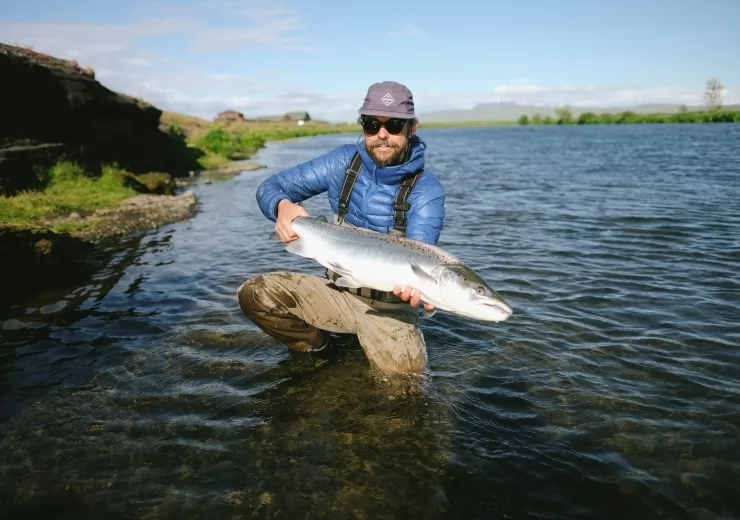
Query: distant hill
(509,111)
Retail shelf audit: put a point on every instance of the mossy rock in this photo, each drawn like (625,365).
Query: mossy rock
(131,181)
(157,183)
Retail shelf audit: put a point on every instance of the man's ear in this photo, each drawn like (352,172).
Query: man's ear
(412,127)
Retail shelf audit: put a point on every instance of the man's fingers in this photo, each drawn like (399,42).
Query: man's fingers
(283,233)
(409,294)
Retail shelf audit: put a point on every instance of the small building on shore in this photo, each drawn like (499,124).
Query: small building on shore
(230,115)
(298,116)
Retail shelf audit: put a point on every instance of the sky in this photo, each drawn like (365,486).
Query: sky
(265,57)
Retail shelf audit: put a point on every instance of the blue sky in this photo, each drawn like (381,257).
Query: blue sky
(265,57)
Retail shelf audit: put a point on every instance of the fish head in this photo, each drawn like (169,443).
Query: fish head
(469,295)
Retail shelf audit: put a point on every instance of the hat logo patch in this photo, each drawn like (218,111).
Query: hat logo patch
(387,99)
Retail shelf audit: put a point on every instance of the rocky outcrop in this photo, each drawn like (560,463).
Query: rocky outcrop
(51,109)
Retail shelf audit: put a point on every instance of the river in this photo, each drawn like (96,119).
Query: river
(613,392)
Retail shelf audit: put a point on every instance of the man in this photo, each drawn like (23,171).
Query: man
(363,183)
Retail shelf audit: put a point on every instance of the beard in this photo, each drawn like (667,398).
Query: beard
(395,158)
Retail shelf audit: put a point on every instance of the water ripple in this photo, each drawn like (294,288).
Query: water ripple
(613,390)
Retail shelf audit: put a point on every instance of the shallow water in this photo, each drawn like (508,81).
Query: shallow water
(613,392)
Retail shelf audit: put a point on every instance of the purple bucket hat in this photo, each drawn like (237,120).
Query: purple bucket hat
(389,99)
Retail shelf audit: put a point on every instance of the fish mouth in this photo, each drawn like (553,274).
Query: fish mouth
(501,307)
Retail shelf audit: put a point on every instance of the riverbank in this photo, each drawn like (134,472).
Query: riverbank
(67,231)
(81,165)
(221,143)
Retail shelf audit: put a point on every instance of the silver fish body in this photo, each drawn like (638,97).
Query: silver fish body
(364,258)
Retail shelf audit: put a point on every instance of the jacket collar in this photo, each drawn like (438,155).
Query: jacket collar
(395,174)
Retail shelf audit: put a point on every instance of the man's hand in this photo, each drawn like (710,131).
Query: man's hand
(411,295)
(287,212)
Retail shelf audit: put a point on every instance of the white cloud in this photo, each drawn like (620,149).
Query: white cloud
(277,28)
(427,100)
(171,84)
(525,92)
(137,62)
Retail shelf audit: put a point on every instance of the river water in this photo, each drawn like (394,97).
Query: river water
(613,392)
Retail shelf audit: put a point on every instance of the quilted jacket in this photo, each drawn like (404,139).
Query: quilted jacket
(371,202)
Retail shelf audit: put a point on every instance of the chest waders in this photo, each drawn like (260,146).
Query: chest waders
(400,206)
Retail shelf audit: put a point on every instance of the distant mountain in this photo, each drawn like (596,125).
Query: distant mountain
(509,111)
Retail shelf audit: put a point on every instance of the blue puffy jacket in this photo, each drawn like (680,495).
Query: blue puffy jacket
(371,202)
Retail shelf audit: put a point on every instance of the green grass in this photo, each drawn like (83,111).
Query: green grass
(69,188)
(224,143)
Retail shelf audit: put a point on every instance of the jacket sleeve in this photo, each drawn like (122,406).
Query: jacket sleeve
(300,182)
(426,218)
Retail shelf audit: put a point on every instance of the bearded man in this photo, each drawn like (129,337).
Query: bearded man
(380,184)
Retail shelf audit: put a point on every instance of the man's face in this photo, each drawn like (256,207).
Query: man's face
(385,148)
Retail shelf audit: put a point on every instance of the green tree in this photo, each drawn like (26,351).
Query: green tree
(713,94)
(565,114)
(588,118)
(523,119)
(536,119)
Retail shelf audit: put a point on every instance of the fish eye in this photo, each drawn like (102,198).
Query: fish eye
(480,289)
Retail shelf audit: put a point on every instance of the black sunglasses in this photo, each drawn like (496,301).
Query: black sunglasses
(372,126)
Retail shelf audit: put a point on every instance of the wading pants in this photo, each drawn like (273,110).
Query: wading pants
(297,309)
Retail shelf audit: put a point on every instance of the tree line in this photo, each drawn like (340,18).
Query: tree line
(714,113)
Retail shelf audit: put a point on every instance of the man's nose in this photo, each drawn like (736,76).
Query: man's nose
(383,133)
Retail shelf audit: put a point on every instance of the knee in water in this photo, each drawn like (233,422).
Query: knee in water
(254,297)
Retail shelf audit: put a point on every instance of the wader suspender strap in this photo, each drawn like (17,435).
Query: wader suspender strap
(400,207)
(349,182)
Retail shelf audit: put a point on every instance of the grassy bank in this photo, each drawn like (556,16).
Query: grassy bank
(67,188)
(223,142)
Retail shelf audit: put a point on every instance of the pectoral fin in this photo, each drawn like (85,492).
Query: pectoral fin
(421,273)
(339,269)
(298,247)
(346,281)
